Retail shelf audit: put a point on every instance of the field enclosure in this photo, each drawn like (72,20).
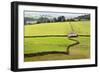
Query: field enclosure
(48,37)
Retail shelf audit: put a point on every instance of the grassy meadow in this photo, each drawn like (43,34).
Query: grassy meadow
(57,28)
(45,44)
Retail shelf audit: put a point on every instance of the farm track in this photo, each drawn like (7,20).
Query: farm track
(76,43)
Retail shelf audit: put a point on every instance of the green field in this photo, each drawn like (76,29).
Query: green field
(45,44)
(33,45)
(58,28)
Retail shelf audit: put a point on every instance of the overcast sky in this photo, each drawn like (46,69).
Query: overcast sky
(37,14)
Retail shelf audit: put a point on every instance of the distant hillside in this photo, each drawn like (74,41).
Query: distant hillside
(83,17)
(29,19)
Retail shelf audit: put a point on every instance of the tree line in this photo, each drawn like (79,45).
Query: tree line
(55,19)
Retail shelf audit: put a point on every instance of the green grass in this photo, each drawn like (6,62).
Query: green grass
(58,28)
(43,44)
(81,51)
(34,45)
(82,28)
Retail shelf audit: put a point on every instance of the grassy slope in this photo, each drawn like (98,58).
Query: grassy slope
(58,28)
(33,45)
(47,29)
(81,51)
(56,43)
(82,28)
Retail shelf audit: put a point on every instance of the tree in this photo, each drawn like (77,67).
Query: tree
(61,18)
(43,20)
(72,19)
(55,19)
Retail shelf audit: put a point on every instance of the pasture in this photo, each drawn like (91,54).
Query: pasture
(35,43)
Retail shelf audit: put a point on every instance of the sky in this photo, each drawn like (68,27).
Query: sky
(37,14)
